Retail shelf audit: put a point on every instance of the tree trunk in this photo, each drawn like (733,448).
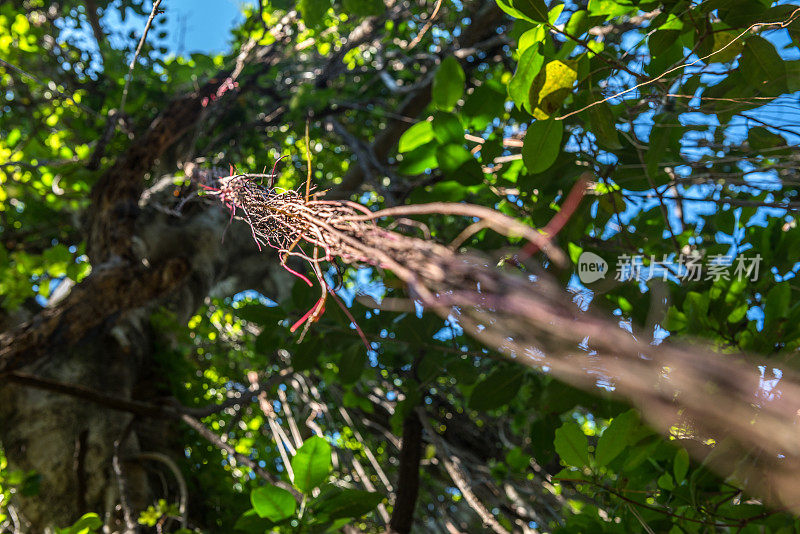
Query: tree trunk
(69,442)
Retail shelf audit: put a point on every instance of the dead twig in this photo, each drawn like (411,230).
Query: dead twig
(129,75)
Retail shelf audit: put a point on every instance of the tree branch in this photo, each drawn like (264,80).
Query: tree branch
(94,22)
(132,65)
(107,291)
(408,478)
(450,464)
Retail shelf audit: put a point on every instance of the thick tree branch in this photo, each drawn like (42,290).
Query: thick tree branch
(107,291)
(115,196)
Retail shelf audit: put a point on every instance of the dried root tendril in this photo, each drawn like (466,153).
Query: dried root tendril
(317,230)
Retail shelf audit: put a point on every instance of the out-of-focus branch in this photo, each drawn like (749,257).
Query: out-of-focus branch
(408,476)
(176,472)
(94,22)
(451,465)
(215,440)
(122,481)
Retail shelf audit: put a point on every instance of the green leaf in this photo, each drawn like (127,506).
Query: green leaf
(363,8)
(351,503)
(535,10)
(447,128)
(551,86)
(696,308)
(578,23)
(419,160)
(610,8)
(680,466)
(761,139)
(311,464)
(542,145)
(518,460)
(776,304)
(506,6)
(484,104)
(528,67)
(452,157)
(12,137)
(87,523)
(676,320)
(727,46)
(665,482)
(660,41)
(448,84)
(313,11)
(571,445)
(534,36)
(739,13)
(459,164)
(463,370)
(738,313)
(793,74)
(417,135)
(273,503)
(762,67)
(658,143)
(614,439)
(250,521)
(497,389)
(20,26)
(601,122)
(640,453)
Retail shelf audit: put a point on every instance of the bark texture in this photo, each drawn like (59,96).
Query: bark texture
(71,442)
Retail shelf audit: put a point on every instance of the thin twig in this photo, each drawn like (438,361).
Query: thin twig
(129,75)
(425,28)
(655,79)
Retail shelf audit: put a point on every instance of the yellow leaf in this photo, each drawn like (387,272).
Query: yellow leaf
(726,39)
(551,86)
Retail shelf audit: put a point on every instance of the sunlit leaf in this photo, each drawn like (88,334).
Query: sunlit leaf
(312,464)
(448,84)
(273,503)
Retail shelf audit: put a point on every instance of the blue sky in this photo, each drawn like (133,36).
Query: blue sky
(192,25)
(207,23)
